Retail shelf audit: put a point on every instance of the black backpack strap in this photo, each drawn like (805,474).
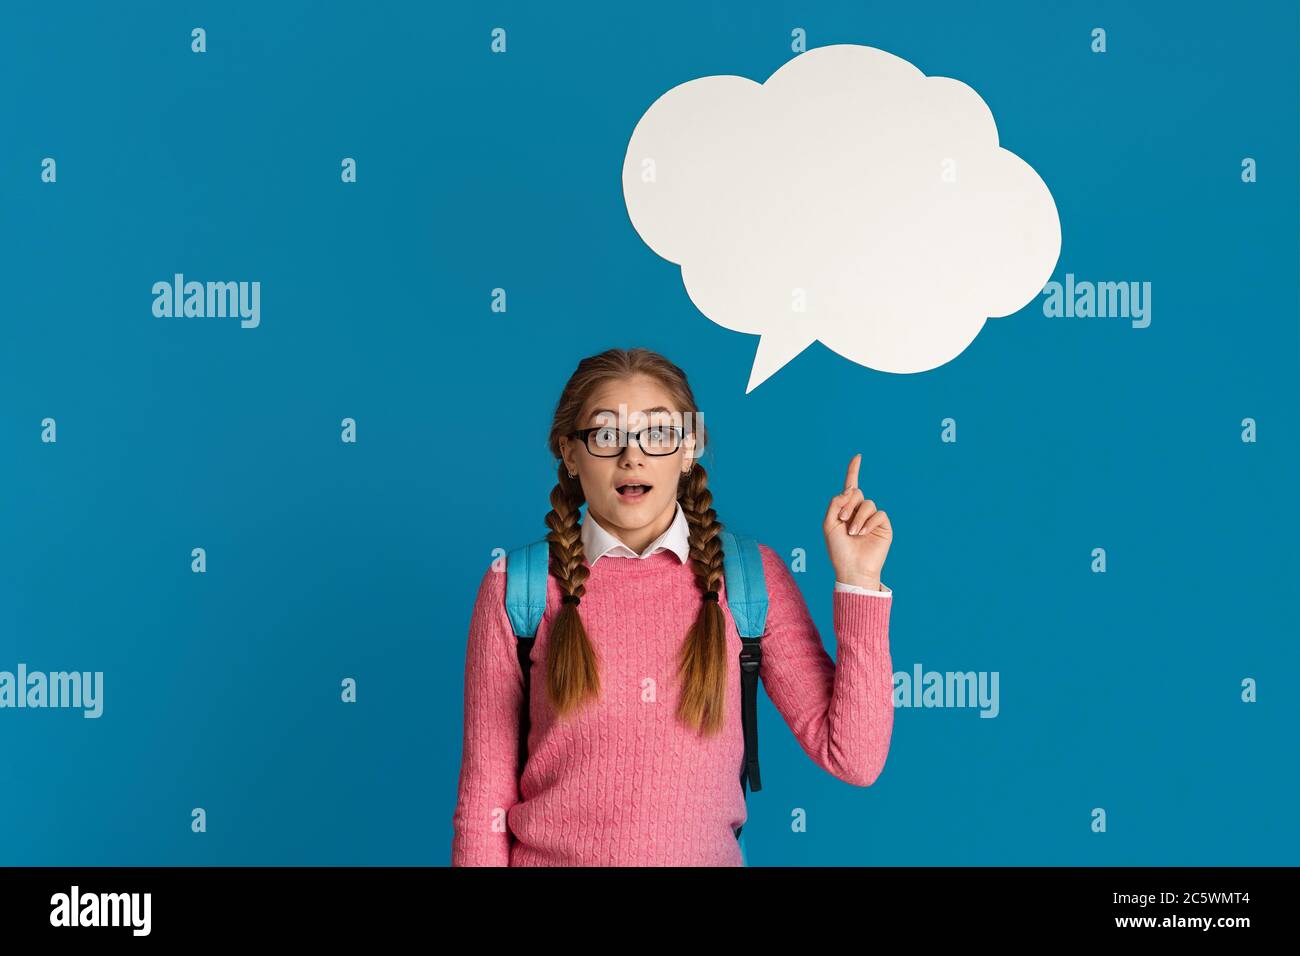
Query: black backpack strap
(751,659)
(525,647)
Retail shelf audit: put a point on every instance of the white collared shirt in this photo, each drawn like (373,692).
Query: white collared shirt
(598,543)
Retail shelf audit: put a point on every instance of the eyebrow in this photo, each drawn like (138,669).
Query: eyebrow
(644,411)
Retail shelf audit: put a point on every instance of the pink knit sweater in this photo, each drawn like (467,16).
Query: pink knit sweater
(621,782)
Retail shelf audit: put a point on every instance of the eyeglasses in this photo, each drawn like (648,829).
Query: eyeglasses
(608,442)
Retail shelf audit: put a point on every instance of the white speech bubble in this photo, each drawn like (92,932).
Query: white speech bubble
(850,199)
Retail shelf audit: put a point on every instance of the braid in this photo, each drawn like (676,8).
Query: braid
(568,563)
(706,545)
(572,668)
(703,657)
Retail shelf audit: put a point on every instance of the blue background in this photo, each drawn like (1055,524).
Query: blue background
(1118,690)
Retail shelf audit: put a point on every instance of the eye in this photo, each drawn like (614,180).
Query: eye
(606,436)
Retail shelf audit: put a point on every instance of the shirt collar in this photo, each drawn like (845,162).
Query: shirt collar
(599,543)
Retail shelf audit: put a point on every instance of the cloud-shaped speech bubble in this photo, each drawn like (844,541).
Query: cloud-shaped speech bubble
(849,199)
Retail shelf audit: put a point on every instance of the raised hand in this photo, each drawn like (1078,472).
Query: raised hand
(858,535)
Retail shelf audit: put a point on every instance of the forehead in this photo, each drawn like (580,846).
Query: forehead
(612,416)
(638,398)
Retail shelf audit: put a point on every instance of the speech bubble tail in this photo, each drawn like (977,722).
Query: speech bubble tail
(775,350)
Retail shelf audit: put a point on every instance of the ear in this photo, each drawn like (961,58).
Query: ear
(570,453)
(689,451)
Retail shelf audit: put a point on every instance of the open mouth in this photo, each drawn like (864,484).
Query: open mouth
(632,491)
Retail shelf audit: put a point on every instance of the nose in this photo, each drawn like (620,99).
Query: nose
(632,453)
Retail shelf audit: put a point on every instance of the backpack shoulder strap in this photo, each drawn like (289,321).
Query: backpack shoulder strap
(527,570)
(742,567)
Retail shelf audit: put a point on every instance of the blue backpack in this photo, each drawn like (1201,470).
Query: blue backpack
(527,569)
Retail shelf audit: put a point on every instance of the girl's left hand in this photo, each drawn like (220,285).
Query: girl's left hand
(857,534)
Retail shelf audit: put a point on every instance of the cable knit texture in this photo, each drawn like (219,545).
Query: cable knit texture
(621,782)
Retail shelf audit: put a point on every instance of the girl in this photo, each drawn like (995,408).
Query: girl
(635,743)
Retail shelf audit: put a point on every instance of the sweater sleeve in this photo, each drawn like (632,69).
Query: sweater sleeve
(494,690)
(841,713)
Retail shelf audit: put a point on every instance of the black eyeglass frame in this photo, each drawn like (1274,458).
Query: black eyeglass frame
(582,433)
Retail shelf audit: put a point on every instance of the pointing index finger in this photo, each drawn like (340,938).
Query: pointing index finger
(851,481)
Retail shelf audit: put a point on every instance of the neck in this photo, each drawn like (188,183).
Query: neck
(638,539)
